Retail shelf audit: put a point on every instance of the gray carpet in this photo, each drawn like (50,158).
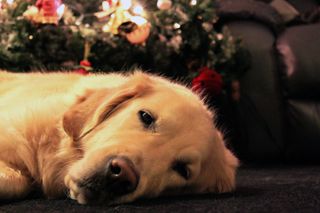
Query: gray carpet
(273,189)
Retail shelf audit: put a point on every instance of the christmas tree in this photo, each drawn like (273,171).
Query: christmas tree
(177,38)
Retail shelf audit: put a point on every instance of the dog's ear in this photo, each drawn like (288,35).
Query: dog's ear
(97,105)
(226,182)
(225,167)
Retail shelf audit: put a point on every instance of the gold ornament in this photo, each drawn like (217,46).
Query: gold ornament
(140,34)
(119,13)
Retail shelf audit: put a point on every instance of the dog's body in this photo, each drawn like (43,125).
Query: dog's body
(91,135)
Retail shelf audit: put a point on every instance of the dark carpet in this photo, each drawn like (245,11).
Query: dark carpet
(280,189)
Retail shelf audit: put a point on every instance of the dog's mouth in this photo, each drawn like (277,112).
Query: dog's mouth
(117,178)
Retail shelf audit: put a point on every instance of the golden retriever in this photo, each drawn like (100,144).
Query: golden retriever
(108,138)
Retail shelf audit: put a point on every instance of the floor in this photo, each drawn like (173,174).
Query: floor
(273,189)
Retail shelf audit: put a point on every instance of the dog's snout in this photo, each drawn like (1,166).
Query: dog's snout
(121,176)
(118,177)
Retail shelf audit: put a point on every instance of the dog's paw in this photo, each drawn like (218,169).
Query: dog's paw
(13,184)
(74,190)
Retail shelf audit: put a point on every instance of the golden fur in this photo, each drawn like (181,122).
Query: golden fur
(57,128)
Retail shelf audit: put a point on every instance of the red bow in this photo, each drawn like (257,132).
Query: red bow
(208,82)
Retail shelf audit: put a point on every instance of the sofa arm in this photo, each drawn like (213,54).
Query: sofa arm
(260,110)
(258,116)
(299,52)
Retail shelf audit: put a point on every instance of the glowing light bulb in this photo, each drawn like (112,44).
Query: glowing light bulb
(176,26)
(138,9)
(126,4)
(219,36)
(193,2)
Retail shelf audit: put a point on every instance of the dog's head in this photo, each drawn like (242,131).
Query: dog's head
(146,138)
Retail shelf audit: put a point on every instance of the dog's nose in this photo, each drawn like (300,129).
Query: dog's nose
(123,176)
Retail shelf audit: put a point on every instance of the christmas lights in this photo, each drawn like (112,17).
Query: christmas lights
(176,38)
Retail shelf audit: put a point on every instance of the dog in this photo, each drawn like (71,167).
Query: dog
(108,138)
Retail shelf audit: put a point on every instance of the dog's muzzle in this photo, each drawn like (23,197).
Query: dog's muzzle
(117,178)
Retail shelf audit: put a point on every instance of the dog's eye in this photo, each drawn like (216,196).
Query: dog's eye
(182,169)
(146,118)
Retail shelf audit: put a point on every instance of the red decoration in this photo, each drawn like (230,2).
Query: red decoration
(48,11)
(85,63)
(85,67)
(208,81)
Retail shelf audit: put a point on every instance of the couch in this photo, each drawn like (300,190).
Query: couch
(277,118)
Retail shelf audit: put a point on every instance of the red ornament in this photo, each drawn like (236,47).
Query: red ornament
(84,69)
(81,71)
(48,11)
(208,82)
(85,63)
(49,7)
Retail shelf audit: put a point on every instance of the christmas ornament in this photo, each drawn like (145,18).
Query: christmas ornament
(85,65)
(48,11)
(45,12)
(208,82)
(140,34)
(136,30)
(84,68)
(164,4)
(127,27)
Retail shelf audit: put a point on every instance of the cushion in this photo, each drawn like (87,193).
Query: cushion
(299,50)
